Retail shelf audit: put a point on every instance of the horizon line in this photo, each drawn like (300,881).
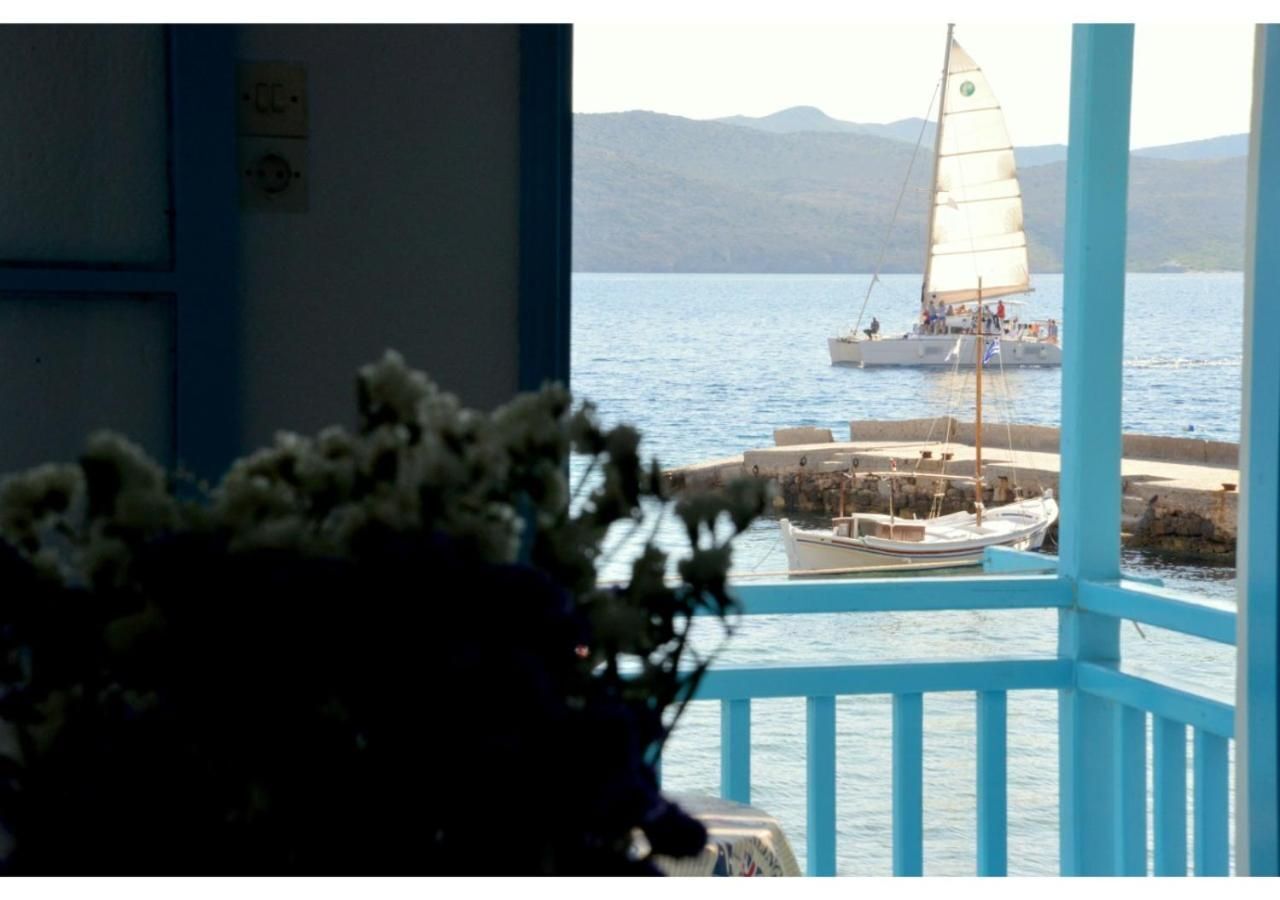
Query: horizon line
(912,119)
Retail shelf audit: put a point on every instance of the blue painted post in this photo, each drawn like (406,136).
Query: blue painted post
(993,807)
(908,784)
(1258,641)
(546,162)
(735,750)
(821,771)
(1093,339)
(1130,749)
(1210,804)
(1169,762)
(208,388)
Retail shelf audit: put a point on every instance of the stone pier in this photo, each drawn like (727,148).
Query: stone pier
(1178,494)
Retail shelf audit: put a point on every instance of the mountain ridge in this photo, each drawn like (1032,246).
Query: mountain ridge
(795,119)
(661,193)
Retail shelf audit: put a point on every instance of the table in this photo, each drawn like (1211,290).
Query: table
(741,841)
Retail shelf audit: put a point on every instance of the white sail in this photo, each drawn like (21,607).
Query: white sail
(977,217)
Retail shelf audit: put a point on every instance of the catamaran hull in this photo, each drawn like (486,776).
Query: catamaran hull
(939,350)
(826,551)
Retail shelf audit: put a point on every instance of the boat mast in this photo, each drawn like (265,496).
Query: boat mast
(937,165)
(977,414)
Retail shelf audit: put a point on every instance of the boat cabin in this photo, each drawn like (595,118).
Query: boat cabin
(876,526)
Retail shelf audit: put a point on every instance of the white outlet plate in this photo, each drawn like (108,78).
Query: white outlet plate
(271,99)
(274,174)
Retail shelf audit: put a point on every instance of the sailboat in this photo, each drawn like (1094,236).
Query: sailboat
(975,234)
(977,266)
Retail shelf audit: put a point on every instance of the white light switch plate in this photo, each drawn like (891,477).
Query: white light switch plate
(272,99)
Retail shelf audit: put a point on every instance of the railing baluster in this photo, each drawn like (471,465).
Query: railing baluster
(1169,754)
(735,750)
(1210,804)
(908,784)
(1130,749)
(821,767)
(993,807)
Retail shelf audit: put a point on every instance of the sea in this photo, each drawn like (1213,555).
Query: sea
(706,366)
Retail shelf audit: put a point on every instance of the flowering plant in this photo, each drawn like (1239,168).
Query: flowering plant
(381,651)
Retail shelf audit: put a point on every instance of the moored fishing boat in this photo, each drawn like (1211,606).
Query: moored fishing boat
(879,541)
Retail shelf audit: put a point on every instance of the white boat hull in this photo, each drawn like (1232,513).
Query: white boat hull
(953,540)
(939,350)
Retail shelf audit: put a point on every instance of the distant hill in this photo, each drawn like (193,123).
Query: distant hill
(1224,147)
(810,118)
(797,119)
(659,193)
(792,120)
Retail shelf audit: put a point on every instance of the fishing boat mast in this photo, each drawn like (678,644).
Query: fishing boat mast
(977,413)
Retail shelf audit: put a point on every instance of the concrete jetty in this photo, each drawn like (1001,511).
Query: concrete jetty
(1178,494)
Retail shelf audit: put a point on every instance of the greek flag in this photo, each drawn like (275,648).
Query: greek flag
(993,347)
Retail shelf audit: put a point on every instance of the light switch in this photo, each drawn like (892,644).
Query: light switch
(273,99)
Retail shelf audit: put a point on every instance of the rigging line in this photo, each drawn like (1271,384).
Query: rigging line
(958,384)
(1006,399)
(933,424)
(884,247)
(772,548)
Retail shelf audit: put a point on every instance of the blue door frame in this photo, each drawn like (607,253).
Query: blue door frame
(546,166)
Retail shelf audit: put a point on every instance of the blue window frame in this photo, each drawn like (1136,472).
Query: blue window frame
(1102,720)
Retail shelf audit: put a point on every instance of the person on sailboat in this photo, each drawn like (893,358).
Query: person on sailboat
(873,330)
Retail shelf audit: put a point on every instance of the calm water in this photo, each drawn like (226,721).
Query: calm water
(708,365)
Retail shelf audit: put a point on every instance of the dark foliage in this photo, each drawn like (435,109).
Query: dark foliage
(417,703)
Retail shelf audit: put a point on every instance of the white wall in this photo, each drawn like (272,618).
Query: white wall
(411,237)
(410,241)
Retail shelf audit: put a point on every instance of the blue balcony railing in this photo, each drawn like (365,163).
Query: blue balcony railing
(1103,708)
(1120,785)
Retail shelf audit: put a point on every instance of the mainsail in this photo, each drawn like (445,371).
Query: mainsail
(976,234)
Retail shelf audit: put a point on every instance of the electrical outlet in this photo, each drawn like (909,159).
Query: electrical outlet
(272,99)
(273,174)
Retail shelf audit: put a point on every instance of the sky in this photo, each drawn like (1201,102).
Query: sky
(854,60)
(1191,80)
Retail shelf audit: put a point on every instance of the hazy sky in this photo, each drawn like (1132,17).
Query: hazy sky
(1190,81)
